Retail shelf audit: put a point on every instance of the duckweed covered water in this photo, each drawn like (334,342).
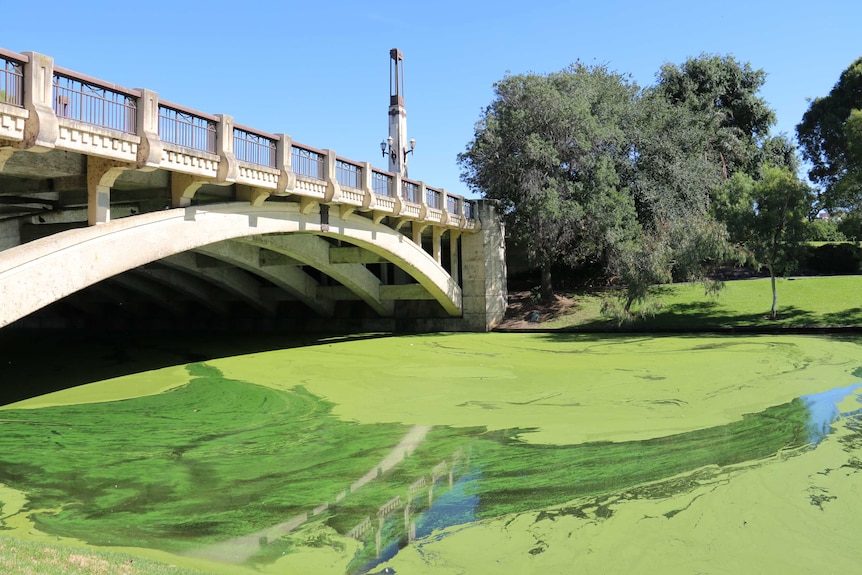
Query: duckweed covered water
(527,453)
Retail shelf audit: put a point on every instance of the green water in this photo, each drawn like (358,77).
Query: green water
(450,453)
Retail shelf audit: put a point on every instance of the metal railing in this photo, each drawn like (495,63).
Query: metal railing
(410,191)
(432,198)
(11,82)
(469,209)
(347,174)
(91,103)
(253,147)
(381,183)
(306,162)
(187,129)
(452,205)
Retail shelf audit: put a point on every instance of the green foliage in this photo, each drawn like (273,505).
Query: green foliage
(553,150)
(824,230)
(723,91)
(830,139)
(589,169)
(850,225)
(834,258)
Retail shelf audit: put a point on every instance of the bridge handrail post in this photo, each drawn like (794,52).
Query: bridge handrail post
(330,176)
(284,164)
(227,166)
(397,189)
(150,149)
(370,199)
(41,130)
(423,201)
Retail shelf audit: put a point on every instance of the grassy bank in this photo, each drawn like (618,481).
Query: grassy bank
(834,301)
(21,557)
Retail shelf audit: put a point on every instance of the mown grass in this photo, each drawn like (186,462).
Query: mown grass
(21,557)
(834,301)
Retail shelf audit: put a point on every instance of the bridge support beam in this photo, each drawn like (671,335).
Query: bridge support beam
(101,175)
(183,188)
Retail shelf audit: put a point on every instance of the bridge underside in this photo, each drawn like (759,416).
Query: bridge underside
(218,263)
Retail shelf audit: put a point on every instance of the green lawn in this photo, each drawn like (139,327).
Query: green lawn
(834,301)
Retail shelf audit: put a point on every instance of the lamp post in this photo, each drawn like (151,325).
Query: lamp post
(396,145)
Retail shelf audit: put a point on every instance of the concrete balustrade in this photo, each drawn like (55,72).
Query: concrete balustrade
(102,136)
(50,118)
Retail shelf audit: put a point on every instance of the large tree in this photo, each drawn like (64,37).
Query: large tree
(590,169)
(724,91)
(553,150)
(830,138)
(768,218)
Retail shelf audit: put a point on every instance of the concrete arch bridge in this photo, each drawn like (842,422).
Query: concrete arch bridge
(119,209)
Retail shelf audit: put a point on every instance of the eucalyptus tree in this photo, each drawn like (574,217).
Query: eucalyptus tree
(768,218)
(725,91)
(554,150)
(830,139)
(588,168)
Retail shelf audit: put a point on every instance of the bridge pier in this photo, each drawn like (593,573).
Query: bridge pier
(483,265)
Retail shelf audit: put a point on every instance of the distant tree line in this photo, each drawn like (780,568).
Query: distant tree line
(667,182)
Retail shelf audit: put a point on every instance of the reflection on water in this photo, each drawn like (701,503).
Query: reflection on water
(477,493)
(242,473)
(823,410)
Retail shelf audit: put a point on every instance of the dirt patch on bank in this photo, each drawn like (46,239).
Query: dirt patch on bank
(526,312)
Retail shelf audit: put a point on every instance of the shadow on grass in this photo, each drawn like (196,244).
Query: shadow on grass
(707,316)
(36,362)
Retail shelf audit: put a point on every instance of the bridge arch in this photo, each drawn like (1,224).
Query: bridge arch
(43,271)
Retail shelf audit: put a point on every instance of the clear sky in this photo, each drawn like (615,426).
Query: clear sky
(319,71)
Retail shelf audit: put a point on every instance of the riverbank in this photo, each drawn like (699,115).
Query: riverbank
(805,305)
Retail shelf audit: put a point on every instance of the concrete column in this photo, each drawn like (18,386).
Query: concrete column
(284,163)
(453,255)
(227,166)
(333,190)
(101,175)
(484,270)
(150,148)
(436,235)
(370,199)
(41,130)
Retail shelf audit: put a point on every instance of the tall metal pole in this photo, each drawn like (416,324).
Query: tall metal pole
(397,148)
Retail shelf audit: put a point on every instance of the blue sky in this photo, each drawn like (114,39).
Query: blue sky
(319,71)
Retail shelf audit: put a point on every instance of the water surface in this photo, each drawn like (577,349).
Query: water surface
(456,453)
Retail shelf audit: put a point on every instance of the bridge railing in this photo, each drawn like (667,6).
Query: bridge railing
(254,147)
(307,162)
(382,183)
(11,79)
(137,127)
(410,192)
(187,128)
(91,101)
(348,174)
(432,198)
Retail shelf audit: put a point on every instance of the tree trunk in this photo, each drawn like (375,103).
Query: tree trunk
(547,290)
(774,314)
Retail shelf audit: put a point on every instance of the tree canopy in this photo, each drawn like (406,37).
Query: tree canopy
(724,92)
(554,151)
(767,217)
(830,139)
(591,169)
